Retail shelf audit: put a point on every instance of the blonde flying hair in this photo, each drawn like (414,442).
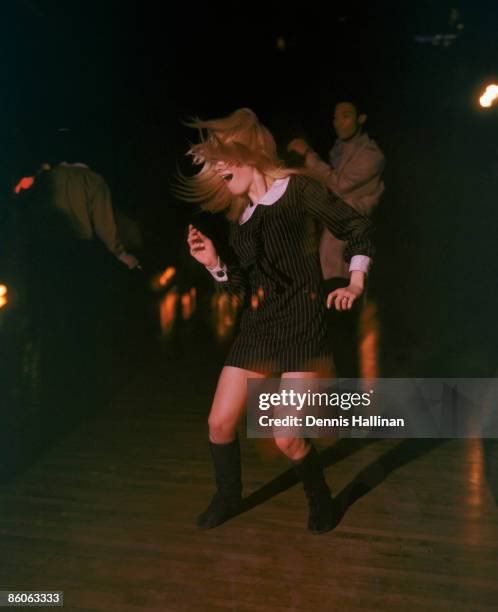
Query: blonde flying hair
(239,138)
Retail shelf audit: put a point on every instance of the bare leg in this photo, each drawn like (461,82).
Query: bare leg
(295,448)
(228,406)
(310,472)
(229,403)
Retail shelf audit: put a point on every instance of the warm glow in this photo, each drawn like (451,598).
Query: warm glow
(476,470)
(280,43)
(188,304)
(167,311)
(489,97)
(369,342)
(474,491)
(25,183)
(166,276)
(3,296)
(161,280)
(224,313)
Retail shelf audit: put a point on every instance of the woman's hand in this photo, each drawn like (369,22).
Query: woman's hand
(344,298)
(201,248)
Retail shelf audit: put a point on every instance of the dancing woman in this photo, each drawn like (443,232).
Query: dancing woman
(276,216)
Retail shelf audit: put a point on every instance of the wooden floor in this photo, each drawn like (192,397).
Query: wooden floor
(108,515)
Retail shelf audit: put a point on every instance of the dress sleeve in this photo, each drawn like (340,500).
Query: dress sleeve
(342,220)
(230,277)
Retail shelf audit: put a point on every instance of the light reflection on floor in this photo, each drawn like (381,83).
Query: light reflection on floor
(189,303)
(224,314)
(368,335)
(168,311)
(475,458)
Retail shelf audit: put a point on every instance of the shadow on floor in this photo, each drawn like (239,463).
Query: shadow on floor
(365,481)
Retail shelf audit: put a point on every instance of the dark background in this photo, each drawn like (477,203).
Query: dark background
(121,76)
(111,82)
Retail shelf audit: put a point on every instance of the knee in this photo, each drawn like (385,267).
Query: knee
(285,445)
(220,431)
(294,448)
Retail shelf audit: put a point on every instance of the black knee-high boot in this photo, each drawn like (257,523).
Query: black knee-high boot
(227,501)
(321,506)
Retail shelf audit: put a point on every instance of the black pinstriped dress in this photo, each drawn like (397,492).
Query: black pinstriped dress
(279,279)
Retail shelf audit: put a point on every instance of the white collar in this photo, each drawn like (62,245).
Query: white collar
(273,194)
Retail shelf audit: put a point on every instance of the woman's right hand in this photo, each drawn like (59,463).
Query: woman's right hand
(201,248)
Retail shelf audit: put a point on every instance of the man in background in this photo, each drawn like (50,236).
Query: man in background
(73,232)
(354,173)
(83,198)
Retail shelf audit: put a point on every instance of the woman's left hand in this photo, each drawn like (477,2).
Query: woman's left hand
(344,298)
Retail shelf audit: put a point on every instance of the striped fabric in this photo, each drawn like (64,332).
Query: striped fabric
(278,277)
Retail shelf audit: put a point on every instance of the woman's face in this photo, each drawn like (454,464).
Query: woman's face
(238,178)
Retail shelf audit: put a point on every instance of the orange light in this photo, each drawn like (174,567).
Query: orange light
(167,275)
(474,490)
(224,314)
(162,279)
(167,311)
(369,341)
(254,302)
(3,296)
(188,304)
(490,96)
(193,297)
(25,183)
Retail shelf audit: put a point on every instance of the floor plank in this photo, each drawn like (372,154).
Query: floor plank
(107,515)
